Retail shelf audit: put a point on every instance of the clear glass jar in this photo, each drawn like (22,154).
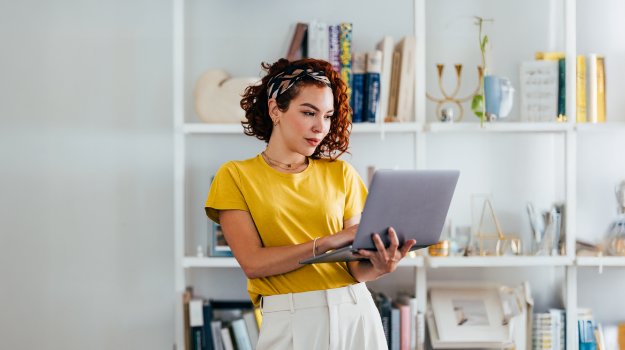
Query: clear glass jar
(615,237)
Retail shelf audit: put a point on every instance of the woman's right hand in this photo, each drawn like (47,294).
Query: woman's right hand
(340,239)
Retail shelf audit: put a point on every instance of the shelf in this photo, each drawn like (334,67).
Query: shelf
(498,261)
(498,127)
(192,261)
(601,127)
(206,128)
(600,261)
(358,128)
(420,261)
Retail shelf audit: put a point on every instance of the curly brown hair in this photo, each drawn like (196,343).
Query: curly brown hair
(259,123)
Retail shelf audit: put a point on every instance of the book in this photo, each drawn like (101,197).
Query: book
(395,329)
(386,46)
(539,91)
(294,52)
(252,328)
(241,337)
(592,88)
(561,90)
(196,324)
(600,89)
(226,339)
(216,334)
(420,320)
(207,313)
(405,92)
(357,102)
(581,89)
(549,56)
(394,88)
(345,44)
(186,298)
(406,298)
(317,41)
(335,47)
(405,326)
(385,314)
(372,87)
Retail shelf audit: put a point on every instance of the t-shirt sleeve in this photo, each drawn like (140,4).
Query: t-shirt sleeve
(225,192)
(355,192)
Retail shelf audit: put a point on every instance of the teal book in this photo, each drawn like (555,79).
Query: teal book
(241,337)
(562,90)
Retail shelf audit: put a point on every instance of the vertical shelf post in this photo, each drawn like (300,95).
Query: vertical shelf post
(570,37)
(179,168)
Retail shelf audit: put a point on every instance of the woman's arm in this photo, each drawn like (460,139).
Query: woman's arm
(258,261)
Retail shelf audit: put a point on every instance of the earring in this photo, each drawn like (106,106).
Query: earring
(275,123)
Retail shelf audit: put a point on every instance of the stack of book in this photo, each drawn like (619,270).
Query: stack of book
(220,325)
(549,330)
(380,83)
(403,325)
(543,88)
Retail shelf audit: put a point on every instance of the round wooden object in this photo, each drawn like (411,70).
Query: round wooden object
(218,96)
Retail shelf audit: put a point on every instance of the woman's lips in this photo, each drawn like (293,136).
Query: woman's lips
(313,142)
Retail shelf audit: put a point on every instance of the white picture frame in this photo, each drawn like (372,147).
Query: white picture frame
(468,314)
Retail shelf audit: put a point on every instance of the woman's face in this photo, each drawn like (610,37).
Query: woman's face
(307,121)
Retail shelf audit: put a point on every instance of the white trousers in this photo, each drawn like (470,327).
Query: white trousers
(334,319)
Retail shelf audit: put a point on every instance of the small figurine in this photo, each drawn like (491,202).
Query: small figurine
(200,252)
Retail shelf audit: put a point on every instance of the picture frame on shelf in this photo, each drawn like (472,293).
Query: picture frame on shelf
(219,246)
(469,315)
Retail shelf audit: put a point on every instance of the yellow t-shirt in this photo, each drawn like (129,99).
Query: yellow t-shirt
(291,209)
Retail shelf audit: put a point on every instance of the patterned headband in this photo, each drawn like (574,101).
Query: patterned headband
(291,75)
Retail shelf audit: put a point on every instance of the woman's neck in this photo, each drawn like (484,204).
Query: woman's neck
(283,155)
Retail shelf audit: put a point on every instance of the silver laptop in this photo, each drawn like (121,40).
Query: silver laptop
(414,202)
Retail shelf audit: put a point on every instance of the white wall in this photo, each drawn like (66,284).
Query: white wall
(86,243)
(86,253)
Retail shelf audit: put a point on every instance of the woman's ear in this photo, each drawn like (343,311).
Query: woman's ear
(274,111)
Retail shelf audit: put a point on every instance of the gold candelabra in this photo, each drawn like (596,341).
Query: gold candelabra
(451,98)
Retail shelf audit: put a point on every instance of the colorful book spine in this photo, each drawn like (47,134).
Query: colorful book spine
(357,102)
(386,46)
(395,329)
(335,47)
(600,89)
(561,90)
(581,89)
(346,57)
(216,334)
(405,98)
(372,87)
(240,335)
(592,88)
(207,313)
(226,339)
(385,315)
(549,56)
(405,324)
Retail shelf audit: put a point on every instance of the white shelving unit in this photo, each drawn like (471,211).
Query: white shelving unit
(421,130)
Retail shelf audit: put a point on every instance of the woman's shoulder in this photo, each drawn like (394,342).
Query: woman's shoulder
(236,167)
(337,165)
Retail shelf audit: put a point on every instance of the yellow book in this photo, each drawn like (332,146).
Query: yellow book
(581,89)
(600,89)
(549,56)
(621,335)
(259,317)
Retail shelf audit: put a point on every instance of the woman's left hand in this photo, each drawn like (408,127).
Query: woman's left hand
(385,260)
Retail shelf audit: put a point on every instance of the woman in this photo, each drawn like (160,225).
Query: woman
(295,200)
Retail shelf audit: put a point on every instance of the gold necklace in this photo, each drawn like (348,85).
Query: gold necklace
(289,166)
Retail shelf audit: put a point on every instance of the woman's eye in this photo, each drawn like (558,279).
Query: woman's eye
(329,116)
(311,114)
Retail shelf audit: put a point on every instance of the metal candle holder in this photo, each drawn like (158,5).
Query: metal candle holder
(451,98)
